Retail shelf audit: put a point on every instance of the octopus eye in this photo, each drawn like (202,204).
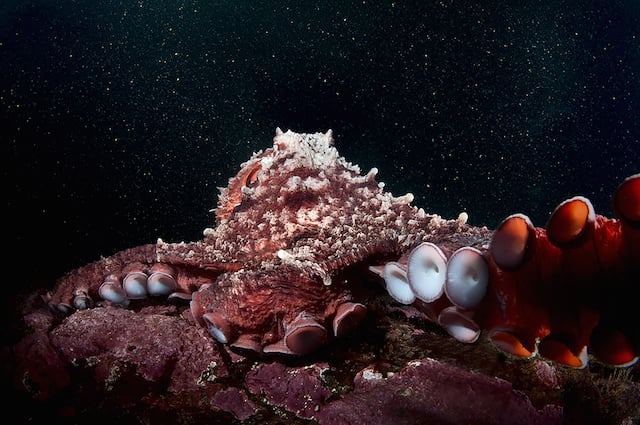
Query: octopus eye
(252,176)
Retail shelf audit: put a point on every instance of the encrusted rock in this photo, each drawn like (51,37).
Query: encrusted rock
(299,390)
(427,391)
(234,401)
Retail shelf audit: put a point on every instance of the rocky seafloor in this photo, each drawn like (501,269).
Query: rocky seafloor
(149,364)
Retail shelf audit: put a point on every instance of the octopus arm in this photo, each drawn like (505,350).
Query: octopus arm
(77,289)
(162,269)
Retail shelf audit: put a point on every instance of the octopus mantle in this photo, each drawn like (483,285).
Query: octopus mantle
(304,243)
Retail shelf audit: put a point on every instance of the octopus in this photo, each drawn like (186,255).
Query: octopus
(301,233)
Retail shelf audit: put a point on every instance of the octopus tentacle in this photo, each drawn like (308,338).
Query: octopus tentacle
(428,276)
(512,341)
(467,278)
(82,300)
(218,326)
(554,291)
(459,324)
(512,302)
(161,280)
(616,338)
(197,312)
(84,283)
(348,317)
(304,334)
(426,271)
(512,242)
(395,276)
(251,342)
(132,274)
(135,285)
(111,290)
(549,292)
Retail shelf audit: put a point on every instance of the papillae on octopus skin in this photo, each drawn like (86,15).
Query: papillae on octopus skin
(300,236)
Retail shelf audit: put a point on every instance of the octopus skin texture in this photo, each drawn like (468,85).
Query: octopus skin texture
(300,233)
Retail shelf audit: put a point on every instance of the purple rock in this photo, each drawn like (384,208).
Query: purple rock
(234,401)
(159,348)
(153,365)
(427,391)
(299,390)
(37,368)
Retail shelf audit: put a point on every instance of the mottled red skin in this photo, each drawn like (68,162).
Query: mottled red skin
(298,226)
(262,275)
(572,295)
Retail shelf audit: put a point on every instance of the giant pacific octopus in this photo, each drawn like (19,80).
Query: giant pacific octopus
(300,231)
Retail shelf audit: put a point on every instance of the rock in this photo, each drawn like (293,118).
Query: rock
(39,369)
(427,391)
(235,401)
(152,365)
(114,361)
(163,350)
(299,390)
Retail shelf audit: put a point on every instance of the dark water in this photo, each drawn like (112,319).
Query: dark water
(120,118)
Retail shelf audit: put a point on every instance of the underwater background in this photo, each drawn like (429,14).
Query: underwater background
(120,119)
